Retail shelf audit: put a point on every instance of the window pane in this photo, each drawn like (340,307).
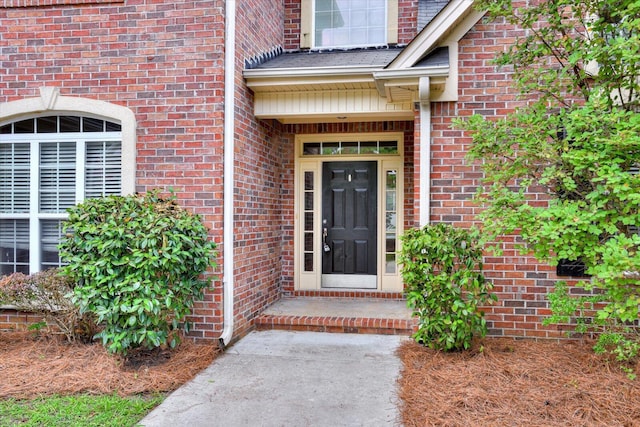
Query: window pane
(47,124)
(6,129)
(112,127)
(14,178)
(50,235)
(368,147)
(92,125)
(330,148)
(311,148)
(390,223)
(103,169)
(57,176)
(24,126)
(390,264)
(388,147)
(308,262)
(308,221)
(391,201)
(69,124)
(308,181)
(391,244)
(391,180)
(14,245)
(308,201)
(349,148)
(308,242)
(350,23)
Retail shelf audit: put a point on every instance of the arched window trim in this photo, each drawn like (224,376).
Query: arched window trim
(50,102)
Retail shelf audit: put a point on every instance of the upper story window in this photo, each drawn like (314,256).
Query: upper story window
(350,23)
(327,24)
(48,164)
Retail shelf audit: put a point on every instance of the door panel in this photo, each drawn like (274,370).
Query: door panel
(349,213)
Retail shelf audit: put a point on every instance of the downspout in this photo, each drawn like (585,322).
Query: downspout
(424,94)
(229,147)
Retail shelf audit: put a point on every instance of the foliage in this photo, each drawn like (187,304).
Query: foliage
(47,293)
(441,269)
(81,410)
(576,141)
(138,262)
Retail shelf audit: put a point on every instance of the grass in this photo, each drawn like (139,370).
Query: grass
(79,410)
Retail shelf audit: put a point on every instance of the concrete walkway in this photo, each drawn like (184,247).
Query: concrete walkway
(287,378)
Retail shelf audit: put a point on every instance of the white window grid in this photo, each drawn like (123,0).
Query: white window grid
(91,167)
(349,23)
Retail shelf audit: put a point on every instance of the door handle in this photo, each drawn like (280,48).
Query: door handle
(325,245)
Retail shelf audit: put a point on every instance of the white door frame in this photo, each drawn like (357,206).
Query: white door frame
(308,221)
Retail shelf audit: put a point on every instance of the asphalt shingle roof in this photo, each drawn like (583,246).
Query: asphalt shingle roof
(332,58)
(428,9)
(369,57)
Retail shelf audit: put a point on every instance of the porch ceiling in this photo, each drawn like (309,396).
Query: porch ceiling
(339,93)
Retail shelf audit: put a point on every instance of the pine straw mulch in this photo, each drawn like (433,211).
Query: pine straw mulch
(516,383)
(33,366)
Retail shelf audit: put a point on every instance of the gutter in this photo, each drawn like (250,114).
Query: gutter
(229,147)
(312,71)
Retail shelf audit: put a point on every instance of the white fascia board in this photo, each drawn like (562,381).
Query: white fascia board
(407,76)
(292,73)
(437,71)
(428,38)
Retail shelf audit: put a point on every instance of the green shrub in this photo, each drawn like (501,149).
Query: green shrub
(47,293)
(441,269)
(138,262)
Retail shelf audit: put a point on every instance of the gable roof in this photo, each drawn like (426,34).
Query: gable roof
(288,82)
(451,23)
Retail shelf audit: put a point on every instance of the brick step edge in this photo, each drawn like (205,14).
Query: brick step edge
(349,325)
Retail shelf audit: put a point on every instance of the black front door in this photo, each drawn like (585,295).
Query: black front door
(349,218)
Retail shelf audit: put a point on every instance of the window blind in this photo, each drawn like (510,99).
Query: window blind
(14,178)
(57,176)
(103,169)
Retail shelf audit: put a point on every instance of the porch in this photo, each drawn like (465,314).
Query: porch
(387,316)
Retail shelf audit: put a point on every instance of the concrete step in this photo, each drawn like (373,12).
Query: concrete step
(339,314)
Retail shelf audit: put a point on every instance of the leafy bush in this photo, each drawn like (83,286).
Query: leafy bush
(441,268)
(137,261)
(47,293)
(576,143)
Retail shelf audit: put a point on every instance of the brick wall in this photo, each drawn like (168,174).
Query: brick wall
(163,60)
(407,20)
(260,147)
(14,320)
(521,283)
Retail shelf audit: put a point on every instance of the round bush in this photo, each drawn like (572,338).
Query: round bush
(138,263)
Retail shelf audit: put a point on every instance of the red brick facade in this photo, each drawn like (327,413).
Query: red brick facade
(520,282)
(165,61)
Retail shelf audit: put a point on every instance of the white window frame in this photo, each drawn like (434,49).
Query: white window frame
(35,216)
(51,103)
(307,26)
(312,280)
